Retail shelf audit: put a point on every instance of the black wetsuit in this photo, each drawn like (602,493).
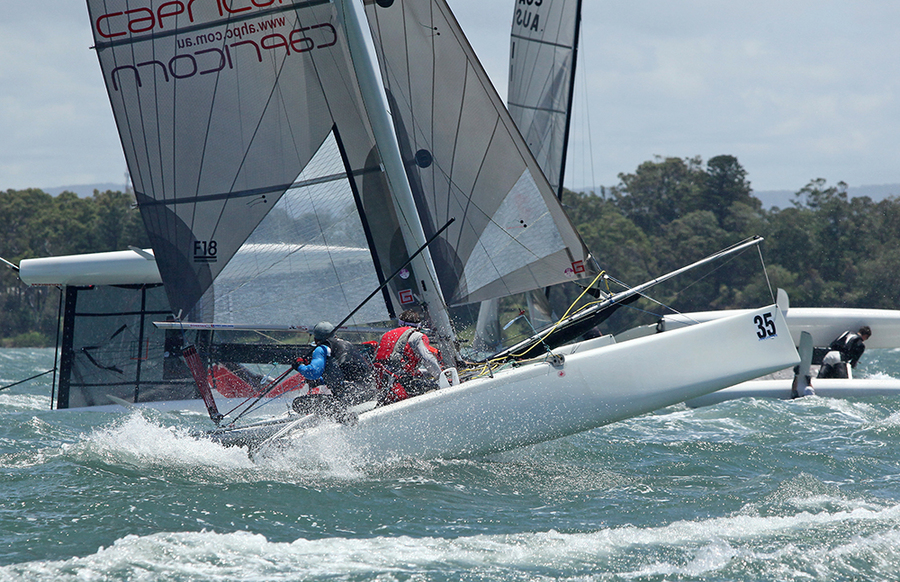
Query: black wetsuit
(850,346)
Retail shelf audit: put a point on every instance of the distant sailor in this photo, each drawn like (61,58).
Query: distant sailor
(846,349)
(406,363)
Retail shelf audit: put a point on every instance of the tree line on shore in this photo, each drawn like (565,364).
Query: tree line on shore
(826,249)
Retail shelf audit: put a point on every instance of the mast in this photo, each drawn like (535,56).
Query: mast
(377,111)
(565,144)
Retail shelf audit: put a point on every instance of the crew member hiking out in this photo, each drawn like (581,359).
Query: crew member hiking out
(846,349)
(405,363)
(330,392)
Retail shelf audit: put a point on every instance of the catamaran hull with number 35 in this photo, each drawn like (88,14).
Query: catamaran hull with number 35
(296,161)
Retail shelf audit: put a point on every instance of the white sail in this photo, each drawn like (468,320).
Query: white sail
(241,125)
(543,47)
(465,159)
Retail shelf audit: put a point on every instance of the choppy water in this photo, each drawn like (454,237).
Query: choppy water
(745,490)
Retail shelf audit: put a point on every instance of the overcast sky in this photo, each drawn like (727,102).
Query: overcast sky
(795,90)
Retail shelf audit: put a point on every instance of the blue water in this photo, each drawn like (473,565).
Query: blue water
(745,490)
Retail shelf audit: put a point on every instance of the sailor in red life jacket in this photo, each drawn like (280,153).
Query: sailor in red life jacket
(406,363)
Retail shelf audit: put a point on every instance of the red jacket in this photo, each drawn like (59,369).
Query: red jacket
(405,360)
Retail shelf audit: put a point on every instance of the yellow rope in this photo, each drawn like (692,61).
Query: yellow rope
(495,363)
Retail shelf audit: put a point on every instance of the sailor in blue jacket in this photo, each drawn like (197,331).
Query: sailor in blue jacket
(325,379)
(319,358)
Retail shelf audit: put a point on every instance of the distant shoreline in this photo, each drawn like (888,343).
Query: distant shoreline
(769,198)
(784,198)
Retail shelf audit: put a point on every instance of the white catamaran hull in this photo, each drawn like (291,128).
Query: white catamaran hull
(824,324)
(781,389)
(594,386)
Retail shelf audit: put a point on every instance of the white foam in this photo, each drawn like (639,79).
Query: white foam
(138,439)
(775,545)
(141,440)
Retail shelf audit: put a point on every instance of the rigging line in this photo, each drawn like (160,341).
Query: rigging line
(652,299)
(679,292)
(559,321)
(27,379)
(269,387)
(269,337)
(766,272)
(389,279)
(363,219)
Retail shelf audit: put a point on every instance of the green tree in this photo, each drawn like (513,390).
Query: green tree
(39,225)
(726,185)
(660,192)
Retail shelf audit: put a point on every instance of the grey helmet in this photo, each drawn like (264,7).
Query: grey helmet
(322,331)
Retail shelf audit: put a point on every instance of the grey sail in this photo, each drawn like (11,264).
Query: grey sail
(240,124)
(542,52)
(465,159)
(543,44)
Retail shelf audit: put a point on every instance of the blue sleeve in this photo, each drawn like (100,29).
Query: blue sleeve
(316,366)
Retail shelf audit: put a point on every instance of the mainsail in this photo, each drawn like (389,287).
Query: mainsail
(241,123)
(542,54)
(258,176)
